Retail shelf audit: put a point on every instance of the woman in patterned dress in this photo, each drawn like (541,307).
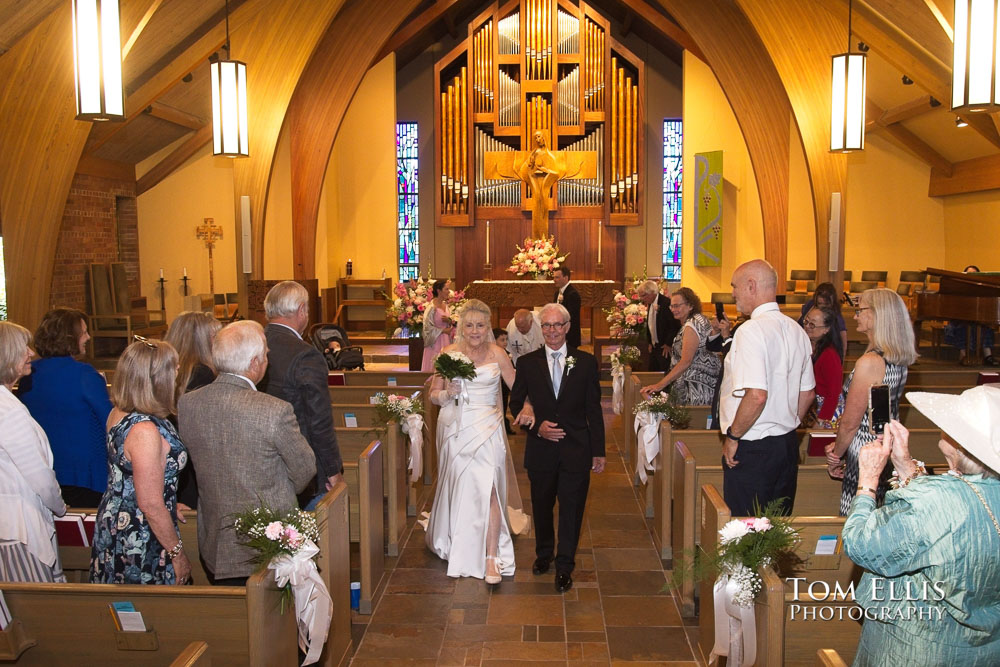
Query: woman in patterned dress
(694,369)
(883,318)
(136,540)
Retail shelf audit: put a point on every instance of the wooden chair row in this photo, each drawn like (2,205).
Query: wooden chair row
(383,378)
(71,623)
(788,628)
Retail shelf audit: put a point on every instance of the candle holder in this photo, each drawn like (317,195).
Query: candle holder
(163,299)
(185,280)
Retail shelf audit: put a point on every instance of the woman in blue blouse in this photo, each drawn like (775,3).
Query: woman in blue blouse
(931,590)
(69,400)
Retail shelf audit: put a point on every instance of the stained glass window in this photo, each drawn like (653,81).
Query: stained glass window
(408,221)
(673,144)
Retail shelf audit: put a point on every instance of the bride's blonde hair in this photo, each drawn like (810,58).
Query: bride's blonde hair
(474,306)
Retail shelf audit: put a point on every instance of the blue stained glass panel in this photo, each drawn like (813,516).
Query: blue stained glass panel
(673,178)
(408,218)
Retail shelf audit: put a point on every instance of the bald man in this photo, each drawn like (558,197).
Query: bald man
(524,335)
(767,387)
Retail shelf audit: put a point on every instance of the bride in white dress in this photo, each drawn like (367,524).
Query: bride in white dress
(476,477)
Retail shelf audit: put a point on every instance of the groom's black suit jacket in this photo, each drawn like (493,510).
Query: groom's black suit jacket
(577,410)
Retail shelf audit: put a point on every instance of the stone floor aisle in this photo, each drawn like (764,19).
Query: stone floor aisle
(619,609)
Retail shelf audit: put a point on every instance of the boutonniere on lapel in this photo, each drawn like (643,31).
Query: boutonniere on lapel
(570,363)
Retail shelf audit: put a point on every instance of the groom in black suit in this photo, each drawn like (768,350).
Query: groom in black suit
(565,439)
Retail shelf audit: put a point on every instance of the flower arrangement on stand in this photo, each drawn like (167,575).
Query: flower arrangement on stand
(409,412)
(408,301)
(286,543)
(627,315)
(538,258)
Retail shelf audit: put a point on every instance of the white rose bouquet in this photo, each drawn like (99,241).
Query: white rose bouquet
(454,366)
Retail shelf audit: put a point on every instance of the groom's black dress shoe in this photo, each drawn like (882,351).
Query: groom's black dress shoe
(564,582)
(541,565)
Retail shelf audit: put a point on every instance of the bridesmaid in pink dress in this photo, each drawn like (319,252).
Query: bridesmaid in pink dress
(438,326)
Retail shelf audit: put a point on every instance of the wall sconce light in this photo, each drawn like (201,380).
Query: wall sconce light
(847,109)
(97,60)
(974,70)
(229,104)
(960,122)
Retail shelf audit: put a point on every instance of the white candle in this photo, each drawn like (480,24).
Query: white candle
(600,226)
(185,272)
(487,241)
(161,273)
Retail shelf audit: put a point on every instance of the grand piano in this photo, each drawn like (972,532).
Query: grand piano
(970,297)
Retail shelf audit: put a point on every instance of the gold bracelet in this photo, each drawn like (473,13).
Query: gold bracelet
(869,490)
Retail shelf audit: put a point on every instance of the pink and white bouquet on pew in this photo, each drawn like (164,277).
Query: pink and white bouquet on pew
(286,543)
(538,258)
(409,412)
(627,315)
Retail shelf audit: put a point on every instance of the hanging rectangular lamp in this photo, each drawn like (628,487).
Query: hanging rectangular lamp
(97,60)
(847,108)
(229,108)
(975,66)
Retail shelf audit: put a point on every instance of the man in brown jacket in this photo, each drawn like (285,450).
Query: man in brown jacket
(246,447)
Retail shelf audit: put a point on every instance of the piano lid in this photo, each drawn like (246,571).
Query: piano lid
(969,284)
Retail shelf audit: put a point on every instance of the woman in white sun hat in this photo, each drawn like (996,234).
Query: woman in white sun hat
(931,590)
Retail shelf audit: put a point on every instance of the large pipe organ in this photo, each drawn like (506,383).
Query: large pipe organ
(550,66)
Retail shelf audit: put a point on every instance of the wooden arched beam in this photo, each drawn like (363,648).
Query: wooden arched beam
(276,46)
(325,90)
(756,94)
(40,144)
(801,37)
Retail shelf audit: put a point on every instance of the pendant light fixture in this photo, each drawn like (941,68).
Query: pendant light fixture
(97,60)
(974,70)
(847,108)
(229,104)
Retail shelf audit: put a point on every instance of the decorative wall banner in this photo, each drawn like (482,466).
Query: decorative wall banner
(708,209)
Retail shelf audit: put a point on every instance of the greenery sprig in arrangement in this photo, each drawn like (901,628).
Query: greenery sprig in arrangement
(625,355)
(390,407)
(271,534)
(745,546)
(669,406)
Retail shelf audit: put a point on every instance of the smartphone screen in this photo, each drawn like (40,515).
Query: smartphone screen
(720,311)
(878,408)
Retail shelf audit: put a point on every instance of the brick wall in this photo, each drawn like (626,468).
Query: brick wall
(89,234)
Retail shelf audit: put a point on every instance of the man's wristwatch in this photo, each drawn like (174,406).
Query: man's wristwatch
(730,435)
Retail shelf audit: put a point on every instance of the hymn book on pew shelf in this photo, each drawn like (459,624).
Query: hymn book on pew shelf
(126,618)
(827,545)
(75,529)
(350,420)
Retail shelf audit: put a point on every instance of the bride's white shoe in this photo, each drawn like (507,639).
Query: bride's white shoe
(492,578)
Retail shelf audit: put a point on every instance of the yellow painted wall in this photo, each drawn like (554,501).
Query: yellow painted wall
(709,125)
(168,215)
(360,185)
(972,231)
(801,223)
(892,225)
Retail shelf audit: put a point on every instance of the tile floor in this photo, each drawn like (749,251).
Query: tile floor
(619,610)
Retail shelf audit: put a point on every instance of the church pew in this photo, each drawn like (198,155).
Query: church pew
(373,378)
(923,444)
(333,563)
(364,481)
(195,655)
(785,636)
(347,394)
(395,480)
(827,657)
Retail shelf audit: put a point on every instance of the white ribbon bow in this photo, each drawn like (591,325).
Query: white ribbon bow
(413,426)
(735,627)
(313,606)
(617,389)
(647,429)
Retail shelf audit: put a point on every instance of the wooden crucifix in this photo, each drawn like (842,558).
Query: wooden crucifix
(540,168)
(209,233)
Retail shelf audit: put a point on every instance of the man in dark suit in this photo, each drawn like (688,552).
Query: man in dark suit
(246,446)
(565,439)
(661,325)
(297,373)
(567,295)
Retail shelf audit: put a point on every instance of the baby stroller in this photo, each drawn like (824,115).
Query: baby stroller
(347,358)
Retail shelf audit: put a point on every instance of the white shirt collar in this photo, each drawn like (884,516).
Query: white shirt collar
(549,351)
(279,324)
(563,288)
(764,307)
(245,379)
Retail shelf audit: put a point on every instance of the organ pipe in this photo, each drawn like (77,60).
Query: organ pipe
(493,192)
(454,142)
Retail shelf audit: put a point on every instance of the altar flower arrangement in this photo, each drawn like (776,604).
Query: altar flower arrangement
(286,543)
(538,257)
(409,412)
(409,299)
(627,314)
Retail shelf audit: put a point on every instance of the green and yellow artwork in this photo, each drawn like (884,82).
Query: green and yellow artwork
(708,209)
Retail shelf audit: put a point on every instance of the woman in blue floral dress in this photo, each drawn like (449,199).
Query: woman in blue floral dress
(136,540)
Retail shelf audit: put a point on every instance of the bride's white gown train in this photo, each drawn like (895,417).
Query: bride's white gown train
(472,461)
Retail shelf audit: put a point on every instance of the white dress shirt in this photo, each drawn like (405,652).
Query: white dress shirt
(769,351)
(519,344)
(562,359)
(245,379)
(651,321)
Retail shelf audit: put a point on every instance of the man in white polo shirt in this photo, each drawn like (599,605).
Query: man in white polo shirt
(767,387)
